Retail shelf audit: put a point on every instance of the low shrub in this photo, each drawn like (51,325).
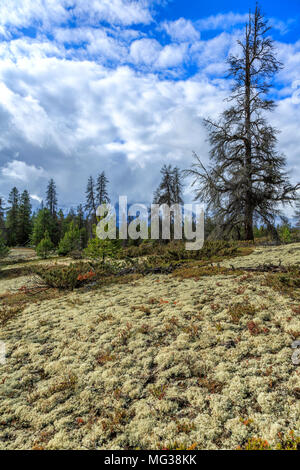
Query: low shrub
(237,311)
(285,283)
(288,442)
(66,277)
(4,250)
(70,241)
(98,249)
(45,246)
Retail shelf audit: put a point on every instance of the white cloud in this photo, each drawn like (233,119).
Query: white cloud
(47,13)
(172,55)
(181,30)
(37,198)
(227,20)
(125,12)
(150,52)
(93,42)
(19,170)
(221,21)
(21,14)
(145,51)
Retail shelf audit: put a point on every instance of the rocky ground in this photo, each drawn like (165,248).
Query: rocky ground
(160,362)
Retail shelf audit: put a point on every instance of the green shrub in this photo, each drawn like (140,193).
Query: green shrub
(285,234)
(45,246)
(66,277)
(100,249)
(70,241)
(4,250)
(288,442)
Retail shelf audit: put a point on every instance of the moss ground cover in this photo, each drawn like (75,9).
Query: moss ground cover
(156,361)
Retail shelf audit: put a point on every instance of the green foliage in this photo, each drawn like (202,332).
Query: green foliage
(24,219)
(100,249)
(70,241)
(289,442)
(4,250)
(44,222)
(66,277)
(12,217)
(285,234)
(45,246)
(286,283)
(51,197)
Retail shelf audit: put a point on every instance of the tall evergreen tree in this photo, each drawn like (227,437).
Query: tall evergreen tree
(12,217)
(90,205)
(170,188)
(246,180)
(44,222)
(24,219)
(101,189)
(51,197)
(164,192)
(2,215)
(177,186)
(80,216)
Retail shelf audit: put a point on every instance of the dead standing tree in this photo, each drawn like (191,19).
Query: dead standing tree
(246,180)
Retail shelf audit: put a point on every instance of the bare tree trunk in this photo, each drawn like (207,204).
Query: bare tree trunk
(248,216)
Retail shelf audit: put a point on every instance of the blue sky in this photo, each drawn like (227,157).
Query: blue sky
(123,86)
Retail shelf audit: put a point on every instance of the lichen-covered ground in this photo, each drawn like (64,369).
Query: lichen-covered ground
(159,362)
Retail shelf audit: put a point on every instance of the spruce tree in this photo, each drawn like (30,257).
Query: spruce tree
(101,189)
(164,192)
(170,188)
(44,222)
(24,219)
(90,205)
(51,197)
(80,217)
(2,216)
(177,186)
(12,217)
(246,181)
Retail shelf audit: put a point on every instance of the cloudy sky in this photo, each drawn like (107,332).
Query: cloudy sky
(123,86)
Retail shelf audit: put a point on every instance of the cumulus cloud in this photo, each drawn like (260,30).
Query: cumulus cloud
(47,13)
(181,30)
(124,12)
(19,170)
(145,51)
(221,21)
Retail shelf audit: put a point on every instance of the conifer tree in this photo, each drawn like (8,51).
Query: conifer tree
(80,216)
(51,197)
(170,188)
(177,186)
(24,219)
(2,216)
(44,222)
(90,205)
(164,192)
(101,189)
(12,217)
